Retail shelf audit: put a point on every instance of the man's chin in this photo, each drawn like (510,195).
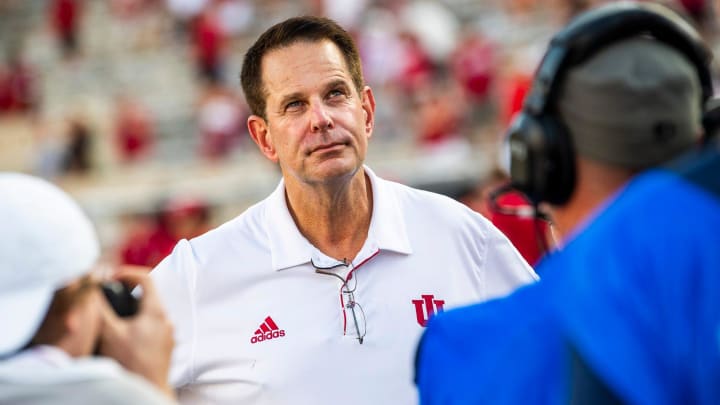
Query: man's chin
(334,170)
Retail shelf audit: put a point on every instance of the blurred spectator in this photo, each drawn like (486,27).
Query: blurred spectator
(519,30)
(435,26)
(417,68)
(441,111)
(49,153)
(477,197)
(129,9)
(575,7)
(703,15)
(18,87)
(697,9)
(516,85)
(473,64)
(235,16)
(221,119)
(148,241)
(137,24)
(512,214)
(183,13)
(208,43)
(381,48)
(65,18)
(526,227)
(134,130)
(346,12)
(77,158)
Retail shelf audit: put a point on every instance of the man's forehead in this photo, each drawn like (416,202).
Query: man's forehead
(303,43)
(285,70)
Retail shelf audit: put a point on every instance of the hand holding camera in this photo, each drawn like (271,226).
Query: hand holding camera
(137,333)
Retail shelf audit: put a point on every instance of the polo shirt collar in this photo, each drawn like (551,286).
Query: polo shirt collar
(289,248)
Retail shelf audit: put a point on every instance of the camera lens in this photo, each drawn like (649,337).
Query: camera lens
(120,298)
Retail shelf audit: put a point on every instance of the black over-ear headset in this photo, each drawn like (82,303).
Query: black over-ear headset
(542,161)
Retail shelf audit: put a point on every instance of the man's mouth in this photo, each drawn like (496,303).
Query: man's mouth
(327,147)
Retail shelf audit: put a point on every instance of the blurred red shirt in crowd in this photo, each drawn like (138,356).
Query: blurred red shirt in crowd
(65,20)
(515,217)
(209,42)
(17,87)
(134,132)
(512,214)
(473,64)
(179,219)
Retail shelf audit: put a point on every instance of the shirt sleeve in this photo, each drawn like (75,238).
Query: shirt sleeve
(505,268)
(175,279)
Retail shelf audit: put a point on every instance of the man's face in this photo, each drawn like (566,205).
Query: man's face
(86,315)
(93,319)
(317,125)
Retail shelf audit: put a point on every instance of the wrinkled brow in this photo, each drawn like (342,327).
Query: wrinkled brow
(300,96)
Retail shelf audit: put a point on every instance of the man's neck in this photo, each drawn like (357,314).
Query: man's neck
(335,218)
(596,183)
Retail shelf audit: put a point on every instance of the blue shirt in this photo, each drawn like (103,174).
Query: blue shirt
(637,294)
(492,353)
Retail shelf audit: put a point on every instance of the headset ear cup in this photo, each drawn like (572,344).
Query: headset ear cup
(520,150)
(558,161)
(542,162)
(711,119)
(526,142)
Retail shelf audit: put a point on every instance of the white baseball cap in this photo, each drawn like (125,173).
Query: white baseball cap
(46,242)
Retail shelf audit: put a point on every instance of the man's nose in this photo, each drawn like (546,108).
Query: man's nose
(320,117)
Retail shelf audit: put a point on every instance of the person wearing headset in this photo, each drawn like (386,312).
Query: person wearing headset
(628,310)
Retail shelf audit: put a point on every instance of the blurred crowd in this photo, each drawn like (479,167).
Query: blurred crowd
(89,88)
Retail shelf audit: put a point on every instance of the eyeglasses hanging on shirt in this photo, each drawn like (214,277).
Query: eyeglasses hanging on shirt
(347,297)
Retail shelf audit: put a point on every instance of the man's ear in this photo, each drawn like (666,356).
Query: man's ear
(368,104)
(260,134)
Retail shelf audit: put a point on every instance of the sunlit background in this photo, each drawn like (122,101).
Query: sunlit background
(135,107)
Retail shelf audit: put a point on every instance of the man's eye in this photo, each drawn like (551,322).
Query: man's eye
(336,93)
(293,105)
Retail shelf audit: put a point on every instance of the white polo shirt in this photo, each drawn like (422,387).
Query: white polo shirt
(255,323)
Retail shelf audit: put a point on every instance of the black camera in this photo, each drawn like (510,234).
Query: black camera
(120,298)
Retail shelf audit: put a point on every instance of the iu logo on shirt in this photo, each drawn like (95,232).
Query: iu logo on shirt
(430,308)
(268,330)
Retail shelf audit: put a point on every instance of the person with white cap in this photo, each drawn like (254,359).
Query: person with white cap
(53,314)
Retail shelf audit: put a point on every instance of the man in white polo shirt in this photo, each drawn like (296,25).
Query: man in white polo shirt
(319,293)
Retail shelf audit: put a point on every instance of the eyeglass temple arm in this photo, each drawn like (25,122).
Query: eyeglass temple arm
(350,304)
(329,273)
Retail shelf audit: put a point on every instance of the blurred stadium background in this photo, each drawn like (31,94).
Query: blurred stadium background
(135,108)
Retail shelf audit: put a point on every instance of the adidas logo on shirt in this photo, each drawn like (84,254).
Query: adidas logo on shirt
(268,330)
